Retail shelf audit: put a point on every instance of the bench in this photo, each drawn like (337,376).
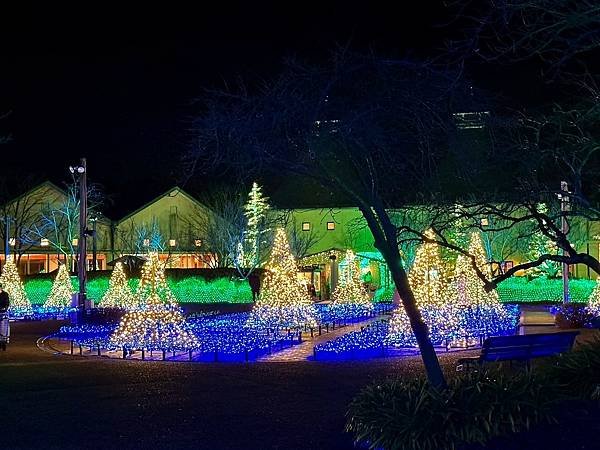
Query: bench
(521,348)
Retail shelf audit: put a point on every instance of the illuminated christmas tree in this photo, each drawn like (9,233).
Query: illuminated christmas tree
(481,310)
(594,300)
(153,282)
(62,290)
(158,323)
(350,298)
(118,294)
(12,284)
(255,211)
(429,284)
(283,301)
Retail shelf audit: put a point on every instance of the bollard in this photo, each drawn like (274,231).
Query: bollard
(164,354)
(80,350)
(124,354)
(143,354)
(327,327)
(333,325)
(189,355)
(299,337)
(99,350)
(173,353)
(71,347)
(319,329)
(312,334)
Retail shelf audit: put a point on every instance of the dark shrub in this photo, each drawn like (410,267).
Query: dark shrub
(410,414)
(572,315)
(578,372)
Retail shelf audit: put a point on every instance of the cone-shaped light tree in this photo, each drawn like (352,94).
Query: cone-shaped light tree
(283,300)
(428,281)
(158,323)
(594,300)
(118,294)
(12,284)
(486,314)
(350,292)
(62,290)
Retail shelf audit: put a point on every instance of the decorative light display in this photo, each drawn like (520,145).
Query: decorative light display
(255,211)
(350,290)
(283,300)
(153,283)
(62,290)
(159,322)
(594,300)
(321,258)
(118,294)
(429,283)
(457,313)
(11,282)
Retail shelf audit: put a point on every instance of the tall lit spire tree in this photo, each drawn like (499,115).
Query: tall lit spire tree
(283,301)
(118,294)
(429,283)
(158,323)
(12,284)
(62,290)
(249,251)
(350,294)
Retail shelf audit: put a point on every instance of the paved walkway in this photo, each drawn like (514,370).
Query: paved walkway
(302,352)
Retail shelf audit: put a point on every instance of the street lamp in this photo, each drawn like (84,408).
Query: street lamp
(80,171)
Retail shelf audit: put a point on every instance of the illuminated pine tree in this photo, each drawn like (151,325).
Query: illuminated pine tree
(350,298)
(62,290)
(255,211)
(594,300)
(158,323)
(283,301)
(485,311)
(427,277)
(12,284)
(118,294)
(153,282)
(429,283)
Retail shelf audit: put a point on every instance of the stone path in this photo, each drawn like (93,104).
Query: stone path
(302,352)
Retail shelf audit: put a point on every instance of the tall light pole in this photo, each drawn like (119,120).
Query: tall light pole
(81,172)
(564,228)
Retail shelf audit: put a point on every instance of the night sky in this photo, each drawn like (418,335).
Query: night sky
(121,87)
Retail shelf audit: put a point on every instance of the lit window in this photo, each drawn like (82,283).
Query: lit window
(172,242)
(146,242)
(44,242)
(305,226)
(485,222)
(12,241)
(198,242)
(331,225)
(75,241)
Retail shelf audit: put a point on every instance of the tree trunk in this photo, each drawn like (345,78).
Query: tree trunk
(384,235)
(435,375)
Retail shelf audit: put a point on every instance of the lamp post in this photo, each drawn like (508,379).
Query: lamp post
(564,228)
(81,172)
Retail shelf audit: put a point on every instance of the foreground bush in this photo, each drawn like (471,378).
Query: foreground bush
(401,414)
(578,372)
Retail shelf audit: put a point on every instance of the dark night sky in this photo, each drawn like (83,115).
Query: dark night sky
(120,87)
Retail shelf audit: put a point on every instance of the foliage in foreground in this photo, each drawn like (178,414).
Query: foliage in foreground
(578,372)
(410,414)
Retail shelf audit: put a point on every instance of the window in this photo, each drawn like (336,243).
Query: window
(485,222)
(305,226)
(75,242)
(44,242)
(146,242)
(331,226)
(172,242)
(198,242)
(12,242)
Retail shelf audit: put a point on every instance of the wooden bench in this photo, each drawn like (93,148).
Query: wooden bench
(521,348)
